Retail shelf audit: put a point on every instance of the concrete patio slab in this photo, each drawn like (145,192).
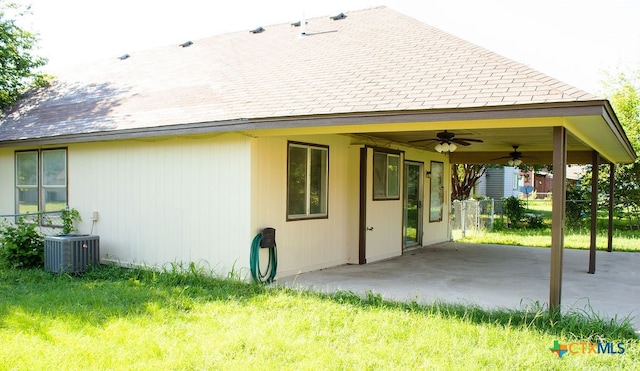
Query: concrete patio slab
(491,276)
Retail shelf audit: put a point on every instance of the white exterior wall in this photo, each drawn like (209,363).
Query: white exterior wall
(433,232)
(510,176)
(7,179)
(203,198)
(166,200)
(305,245)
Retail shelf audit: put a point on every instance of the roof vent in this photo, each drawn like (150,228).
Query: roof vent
(124,56)
(297,24)
(257,30)
(186,44)
(339,17)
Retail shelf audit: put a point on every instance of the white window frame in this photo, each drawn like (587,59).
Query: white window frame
(41,185)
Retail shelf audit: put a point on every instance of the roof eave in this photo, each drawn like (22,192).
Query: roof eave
(350,120)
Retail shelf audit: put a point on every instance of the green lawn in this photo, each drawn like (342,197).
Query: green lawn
(624,239)
(542,238)
(182,319)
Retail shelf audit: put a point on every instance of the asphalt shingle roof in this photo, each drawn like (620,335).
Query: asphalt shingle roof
(373,60)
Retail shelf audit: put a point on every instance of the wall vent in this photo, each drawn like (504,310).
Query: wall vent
(71,253)
(339,17)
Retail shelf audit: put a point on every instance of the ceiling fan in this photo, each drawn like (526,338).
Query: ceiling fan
(447,141)
(514,157)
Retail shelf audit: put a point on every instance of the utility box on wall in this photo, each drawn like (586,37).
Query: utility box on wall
(71,253)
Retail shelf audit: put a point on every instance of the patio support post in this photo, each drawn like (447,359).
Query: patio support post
(594,211)
(612,176)
(557,215)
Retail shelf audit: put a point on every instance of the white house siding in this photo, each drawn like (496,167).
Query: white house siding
(510,176)
(203,198)
(499,182)
(7,178)
(433,232)
(305,245)
(166,200)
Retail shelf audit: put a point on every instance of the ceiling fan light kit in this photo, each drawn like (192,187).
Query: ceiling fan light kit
(513,158)
(447,142)
(514,162)
(445,147)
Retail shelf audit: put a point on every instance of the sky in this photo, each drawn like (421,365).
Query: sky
(575,41)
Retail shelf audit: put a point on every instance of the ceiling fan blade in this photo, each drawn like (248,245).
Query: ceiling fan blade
(469,140)
(424,140)
(500,158)
(461,142)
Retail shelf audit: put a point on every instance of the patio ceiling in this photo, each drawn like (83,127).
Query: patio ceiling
(535,143)
(591,126)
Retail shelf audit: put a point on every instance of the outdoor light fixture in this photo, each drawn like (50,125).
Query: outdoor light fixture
(514,162)
(446,147)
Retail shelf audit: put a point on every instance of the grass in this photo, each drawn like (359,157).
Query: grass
(574,239)
(181,318)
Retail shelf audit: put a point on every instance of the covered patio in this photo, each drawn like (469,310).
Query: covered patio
(490,276)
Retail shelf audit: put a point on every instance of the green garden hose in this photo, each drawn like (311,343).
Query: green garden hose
(272,266)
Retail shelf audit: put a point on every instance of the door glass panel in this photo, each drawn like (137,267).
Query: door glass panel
(412,204)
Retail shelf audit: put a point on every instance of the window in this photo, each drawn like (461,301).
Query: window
(386,176)
(41,180)
(307,181)
(436,201)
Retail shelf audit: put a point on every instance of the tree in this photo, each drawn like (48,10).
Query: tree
(464,178)
(18,66)
(622,91)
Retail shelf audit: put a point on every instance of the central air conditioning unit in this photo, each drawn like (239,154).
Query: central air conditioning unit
(71,253)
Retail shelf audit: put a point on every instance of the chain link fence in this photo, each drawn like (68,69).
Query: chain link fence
(470,216)
(48,223)
(473,215)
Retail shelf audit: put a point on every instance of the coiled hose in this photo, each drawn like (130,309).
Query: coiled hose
(272,266)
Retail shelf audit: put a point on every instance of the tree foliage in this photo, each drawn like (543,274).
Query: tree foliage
(18,65)
(623,92)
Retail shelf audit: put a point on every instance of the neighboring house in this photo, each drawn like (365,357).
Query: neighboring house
(500,182)
(506,181)
(186,152)
(542,180)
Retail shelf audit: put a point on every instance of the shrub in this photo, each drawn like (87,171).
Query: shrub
(69,218)
(535,222)
(514,210)
(21,245)
(498,225)
(577,206)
